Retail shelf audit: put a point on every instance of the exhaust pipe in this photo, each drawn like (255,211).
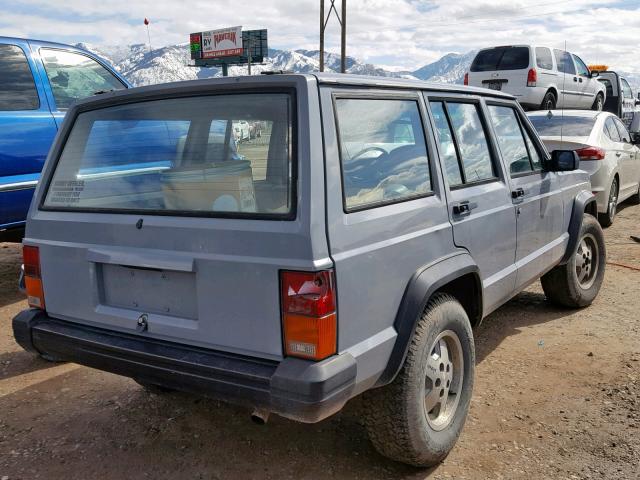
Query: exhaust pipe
(260,416)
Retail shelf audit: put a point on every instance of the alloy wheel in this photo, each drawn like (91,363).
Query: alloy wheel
(443,384)
(586,260)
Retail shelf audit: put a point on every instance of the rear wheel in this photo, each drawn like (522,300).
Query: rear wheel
(598,103)
(418,418)
(549,101)
(606,219)
(577,283)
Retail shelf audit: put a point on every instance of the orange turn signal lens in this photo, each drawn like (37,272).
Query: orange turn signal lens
(310,337)
(309,317)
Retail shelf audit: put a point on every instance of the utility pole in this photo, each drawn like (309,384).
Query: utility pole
(342,20)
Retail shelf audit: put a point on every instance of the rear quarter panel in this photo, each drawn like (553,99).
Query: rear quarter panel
(377,251)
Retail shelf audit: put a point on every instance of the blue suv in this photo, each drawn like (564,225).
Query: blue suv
(38,83)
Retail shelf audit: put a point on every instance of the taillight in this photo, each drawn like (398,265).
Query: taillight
(532,77)
(591,153)
(32,277)
(466,78)
(309,313)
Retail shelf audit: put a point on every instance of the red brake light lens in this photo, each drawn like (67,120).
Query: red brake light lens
(591,153)
(466,78)
(308,293)
(532,77)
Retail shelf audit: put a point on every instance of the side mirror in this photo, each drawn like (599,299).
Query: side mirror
(563,161)
(637,102)
(594,74)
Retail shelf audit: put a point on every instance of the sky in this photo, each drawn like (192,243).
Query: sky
(398,34)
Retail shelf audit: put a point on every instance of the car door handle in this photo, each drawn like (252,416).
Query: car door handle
(618,154)
(463,209)
(517,193)
(575,79)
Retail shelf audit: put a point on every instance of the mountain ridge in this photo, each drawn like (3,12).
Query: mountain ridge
(142,66)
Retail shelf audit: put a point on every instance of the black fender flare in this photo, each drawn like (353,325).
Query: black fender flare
(423,284)
(583,201)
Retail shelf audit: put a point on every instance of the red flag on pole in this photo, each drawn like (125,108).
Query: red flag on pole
(146,21)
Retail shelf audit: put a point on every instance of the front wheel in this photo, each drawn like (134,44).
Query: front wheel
(598,103)
(417,418)
(577,283)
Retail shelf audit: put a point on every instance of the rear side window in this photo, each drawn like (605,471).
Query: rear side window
(74,76)
(610,130)
(543,58)
(622,130)
(180,156)
(564,62)
(463,126)
(382,150)
(17,87)
(501,58)
(514,146)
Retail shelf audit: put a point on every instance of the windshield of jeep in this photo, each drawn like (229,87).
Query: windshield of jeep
(209,155)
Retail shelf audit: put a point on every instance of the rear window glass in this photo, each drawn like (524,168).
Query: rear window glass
(383,151)
(226,154)
(501,58)
(570,126)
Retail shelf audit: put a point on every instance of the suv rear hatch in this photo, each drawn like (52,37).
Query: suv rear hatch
(501,68)
(153,216)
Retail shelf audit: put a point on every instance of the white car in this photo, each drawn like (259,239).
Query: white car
(242,131)
(539,77)
(606,150)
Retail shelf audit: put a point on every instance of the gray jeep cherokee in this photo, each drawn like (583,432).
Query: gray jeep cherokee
(348,250)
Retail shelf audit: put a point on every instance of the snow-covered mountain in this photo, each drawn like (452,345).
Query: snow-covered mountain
(141,66)
(171,63)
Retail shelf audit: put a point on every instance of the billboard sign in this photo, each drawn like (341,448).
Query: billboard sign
(226,42)
(254,48)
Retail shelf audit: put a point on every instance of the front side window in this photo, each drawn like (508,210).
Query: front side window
(472,141)
(512,144)
(583,71)
(17,87)
(610,130)
(626,89)
(180,155)
(543,58)
(564,62)
(74,76)
(382,150)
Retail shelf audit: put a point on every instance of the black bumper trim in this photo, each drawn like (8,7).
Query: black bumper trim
(299,389)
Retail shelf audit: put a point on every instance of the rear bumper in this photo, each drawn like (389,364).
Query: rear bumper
(298,389)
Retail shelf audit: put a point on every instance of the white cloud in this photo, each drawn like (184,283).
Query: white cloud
(398,33)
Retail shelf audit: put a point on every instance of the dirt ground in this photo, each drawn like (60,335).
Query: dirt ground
(557,396)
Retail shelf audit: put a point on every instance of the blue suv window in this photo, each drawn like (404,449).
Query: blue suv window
(383,152)
(17,87)
(74,76)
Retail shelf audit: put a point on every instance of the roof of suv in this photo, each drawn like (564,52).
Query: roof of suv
(322,78)
(43,42)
